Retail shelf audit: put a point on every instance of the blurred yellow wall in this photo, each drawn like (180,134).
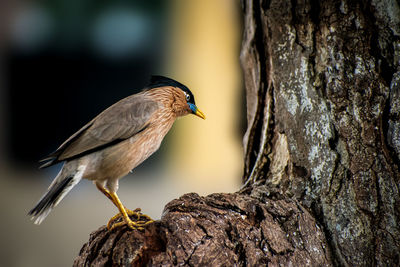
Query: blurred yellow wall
(204,55)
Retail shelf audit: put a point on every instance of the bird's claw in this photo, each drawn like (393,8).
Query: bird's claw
(117,216)
(139,223)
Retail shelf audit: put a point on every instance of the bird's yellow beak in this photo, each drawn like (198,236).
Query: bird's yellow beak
(196,111)
(200,114)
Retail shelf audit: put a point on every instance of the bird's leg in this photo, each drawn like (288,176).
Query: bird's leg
(104,191)
(130,212)
(131,224)
(115,200)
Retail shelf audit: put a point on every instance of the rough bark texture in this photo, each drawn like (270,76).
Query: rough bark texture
(322,150)
(324,79)
(217,230)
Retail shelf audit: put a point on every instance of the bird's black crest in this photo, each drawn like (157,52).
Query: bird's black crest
(159,81)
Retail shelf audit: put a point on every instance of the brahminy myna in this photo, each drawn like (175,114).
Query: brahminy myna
(114,143)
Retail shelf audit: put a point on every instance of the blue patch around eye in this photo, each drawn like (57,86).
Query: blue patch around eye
(192,107)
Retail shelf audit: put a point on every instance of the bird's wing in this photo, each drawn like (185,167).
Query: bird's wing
(122,120)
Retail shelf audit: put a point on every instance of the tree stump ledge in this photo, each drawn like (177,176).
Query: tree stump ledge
(220,230)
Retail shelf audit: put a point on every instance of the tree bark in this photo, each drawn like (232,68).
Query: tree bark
(322,83)
(217,230)
(322,150)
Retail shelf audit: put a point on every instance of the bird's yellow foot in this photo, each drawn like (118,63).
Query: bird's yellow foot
(139,222)
(139,225)
(119,216)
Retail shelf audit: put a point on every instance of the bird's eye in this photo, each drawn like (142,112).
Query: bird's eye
(187,96)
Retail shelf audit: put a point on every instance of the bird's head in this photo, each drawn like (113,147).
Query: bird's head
(185,96)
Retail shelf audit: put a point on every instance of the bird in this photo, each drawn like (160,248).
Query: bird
(115,142)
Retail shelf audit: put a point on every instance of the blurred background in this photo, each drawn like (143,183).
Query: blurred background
(62,62)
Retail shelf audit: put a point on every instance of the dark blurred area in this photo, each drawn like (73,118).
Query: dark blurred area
(62,55)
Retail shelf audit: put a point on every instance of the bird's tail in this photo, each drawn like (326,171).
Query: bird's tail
(61,185)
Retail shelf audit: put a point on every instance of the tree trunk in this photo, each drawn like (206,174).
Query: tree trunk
(322,150)
(323,81)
